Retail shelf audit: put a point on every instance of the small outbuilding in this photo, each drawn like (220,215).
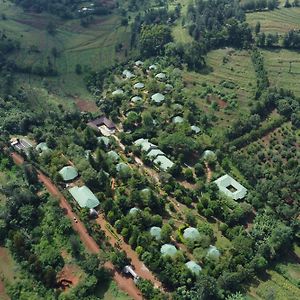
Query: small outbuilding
(195,128)
(42,147)
(134,210)
(138,63)
(145,145)
(68,173)
(113,155)
(177,120)
(163,162)
(127,74)
(104,140)
(136,99)
(152,68)
(161,76)
(230,187)
(118,92)
(208,153)
(84,197)
(152,154)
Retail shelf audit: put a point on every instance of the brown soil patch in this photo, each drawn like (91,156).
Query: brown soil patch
(3,295)
(221,103)
(86,106)
(68,277)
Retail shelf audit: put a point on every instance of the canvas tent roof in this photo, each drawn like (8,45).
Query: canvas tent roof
(168,87)
(41,147)
(163,162)
(213,252)
(128,74)
(160,76)
(145,144)
(191,233)
(122,167)
(138,63)
(118,92)
(113,155)
(155,232)
(168,250)
(84,196)
(158,97)
(136,99)
(196,129)
(139,85)
(134,210)
(103,139)
(153,67)
(152,154)
(177,120)
(207,153)
(225,181)
(193,267)
(68,173)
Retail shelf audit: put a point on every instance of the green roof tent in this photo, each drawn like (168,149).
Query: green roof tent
(226,181)
(168,250)
(152,154)
(155,232)
(136,99)
(84,196)
(192,234)
(193,267)
(213,253)
(158,98)
(161,76)
(42,147)
(118,92)
(103,139)
(207,153)
(177,120)
(168,87)
(139,86)
(163,162)
(134,210)
(196,129)
(68,173)
(113,155)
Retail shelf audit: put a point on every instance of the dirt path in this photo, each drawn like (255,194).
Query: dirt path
(3,295)
(124,283)
(139,267)
(208,172)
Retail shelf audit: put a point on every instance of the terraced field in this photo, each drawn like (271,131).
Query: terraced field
(283,68)
(92,47)
(279,20)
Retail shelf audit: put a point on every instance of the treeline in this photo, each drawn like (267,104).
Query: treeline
(291,39)
(218,23)
(65,9)
(256,5)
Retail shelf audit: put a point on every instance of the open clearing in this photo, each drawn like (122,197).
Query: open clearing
(279,20)
(92,47)
(277,63)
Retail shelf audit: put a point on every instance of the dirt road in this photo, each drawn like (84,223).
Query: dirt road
(124,283)
(138,265)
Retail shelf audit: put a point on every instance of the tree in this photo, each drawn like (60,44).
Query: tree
(30,174)
(153,38)
(257,28)
(78,69)
(166,231)
(119,259)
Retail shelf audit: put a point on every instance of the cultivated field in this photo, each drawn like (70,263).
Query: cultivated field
(224,65)
(280,73)
(92,47)
(279,20)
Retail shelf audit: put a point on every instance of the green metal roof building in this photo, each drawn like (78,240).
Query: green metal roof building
(163,162)
(84,196)
(68,173)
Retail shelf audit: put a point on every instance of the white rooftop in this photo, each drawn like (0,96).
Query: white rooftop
(225,182)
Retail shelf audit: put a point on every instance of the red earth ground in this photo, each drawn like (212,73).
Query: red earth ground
(124,283)
(86,106)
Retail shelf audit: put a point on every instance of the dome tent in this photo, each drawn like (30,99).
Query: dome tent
(136,99)
(155,232)
(192,234)
(213,253)
(158,97)
(193,267)
(139,85)
(168,250)
(208,153)
(68,173)
(134,210)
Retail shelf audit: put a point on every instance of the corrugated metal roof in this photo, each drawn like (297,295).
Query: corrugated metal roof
(84,196)
(68,173)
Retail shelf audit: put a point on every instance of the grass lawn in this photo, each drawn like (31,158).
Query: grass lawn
(110,291)
(237,69)
(92,47)
(279,20)
(277,63)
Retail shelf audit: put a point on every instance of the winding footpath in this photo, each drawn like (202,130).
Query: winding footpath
(124,283)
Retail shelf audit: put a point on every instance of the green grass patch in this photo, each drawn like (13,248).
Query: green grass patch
(280,73)
(279,20)
(110,291)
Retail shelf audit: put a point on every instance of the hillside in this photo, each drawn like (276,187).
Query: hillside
(149,150)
